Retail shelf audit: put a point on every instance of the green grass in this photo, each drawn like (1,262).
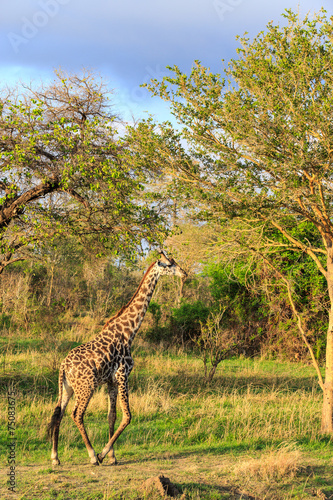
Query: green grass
(253,431)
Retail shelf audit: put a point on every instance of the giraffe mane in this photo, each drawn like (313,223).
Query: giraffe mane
(122,309)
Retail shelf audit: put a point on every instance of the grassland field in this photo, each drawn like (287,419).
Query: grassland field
(252,433)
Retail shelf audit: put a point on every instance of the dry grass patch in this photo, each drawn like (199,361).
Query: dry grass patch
(285,462)
(153,397)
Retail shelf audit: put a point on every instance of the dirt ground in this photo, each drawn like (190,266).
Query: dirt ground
(188,473)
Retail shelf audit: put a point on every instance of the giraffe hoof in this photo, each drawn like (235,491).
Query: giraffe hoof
(56,461)
(113,461)
(100,460)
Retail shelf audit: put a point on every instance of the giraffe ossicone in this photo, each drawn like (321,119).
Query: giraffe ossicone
(107,360)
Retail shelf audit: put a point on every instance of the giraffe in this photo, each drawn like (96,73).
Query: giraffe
(106,360)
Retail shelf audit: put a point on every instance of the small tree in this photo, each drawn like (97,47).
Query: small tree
(214,343)
(260,151)
(65,169)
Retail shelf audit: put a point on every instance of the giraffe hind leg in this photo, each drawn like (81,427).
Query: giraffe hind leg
(124,404)
(77,416)
(54,425)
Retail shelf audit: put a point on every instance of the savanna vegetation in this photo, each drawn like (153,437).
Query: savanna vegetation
(252,432)
(232,390)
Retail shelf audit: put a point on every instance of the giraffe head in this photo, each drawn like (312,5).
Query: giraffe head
(170,267)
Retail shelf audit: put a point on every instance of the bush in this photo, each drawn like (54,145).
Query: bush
(5,321)
(185,321)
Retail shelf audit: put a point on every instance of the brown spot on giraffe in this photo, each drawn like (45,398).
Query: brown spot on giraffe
(106,360)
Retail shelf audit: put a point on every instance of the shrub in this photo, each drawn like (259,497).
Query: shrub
(185,321)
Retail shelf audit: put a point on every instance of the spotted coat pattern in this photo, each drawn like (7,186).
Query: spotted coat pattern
(106,360)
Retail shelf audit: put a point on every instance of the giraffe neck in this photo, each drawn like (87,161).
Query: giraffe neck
(131,316)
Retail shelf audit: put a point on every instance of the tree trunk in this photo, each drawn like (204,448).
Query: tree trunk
(51,286)
(180,294)
(327,413)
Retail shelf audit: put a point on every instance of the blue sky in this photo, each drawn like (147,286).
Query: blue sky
(128,42)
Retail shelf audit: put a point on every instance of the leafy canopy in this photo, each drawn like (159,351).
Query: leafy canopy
(65,168)
(260,138)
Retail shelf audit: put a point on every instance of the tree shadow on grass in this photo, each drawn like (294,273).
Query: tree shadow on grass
(38,385)
(16,374)
(321,478)
(15,346)
(185,383)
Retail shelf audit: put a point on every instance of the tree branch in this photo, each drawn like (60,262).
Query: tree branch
(301,246)
(297,315)
(75,195)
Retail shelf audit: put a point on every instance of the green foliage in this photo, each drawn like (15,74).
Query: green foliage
(180,327)
(65,170)
(259,138)
(185,320)
(5,321)
(155,309)
(258,167)
(236,290)
(157,333)
(259,149)
(232,286)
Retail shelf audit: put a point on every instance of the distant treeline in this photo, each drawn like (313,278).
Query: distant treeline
(69,294)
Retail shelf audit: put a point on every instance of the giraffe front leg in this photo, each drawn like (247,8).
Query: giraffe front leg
(112,416)
(124,404)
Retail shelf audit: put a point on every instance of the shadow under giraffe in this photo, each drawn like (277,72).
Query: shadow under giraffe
(107,360)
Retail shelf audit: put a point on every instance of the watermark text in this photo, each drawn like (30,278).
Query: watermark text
(11,426)
(224,7)
(31,26)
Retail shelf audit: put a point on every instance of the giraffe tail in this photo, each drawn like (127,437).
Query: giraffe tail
(55,419)
(54,422)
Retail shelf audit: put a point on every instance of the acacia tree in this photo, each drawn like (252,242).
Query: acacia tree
(64,169)
(260,143)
